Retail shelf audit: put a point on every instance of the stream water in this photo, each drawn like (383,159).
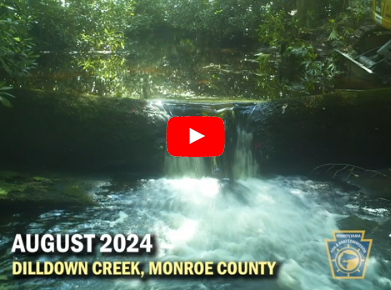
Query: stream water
(203,218)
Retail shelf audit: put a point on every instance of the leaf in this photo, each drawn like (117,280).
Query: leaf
(5,66)
(333,35)
(7,94)
(8,7)
(5,88)
(5,102)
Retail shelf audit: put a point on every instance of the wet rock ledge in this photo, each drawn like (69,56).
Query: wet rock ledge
(51,130)
(295,135)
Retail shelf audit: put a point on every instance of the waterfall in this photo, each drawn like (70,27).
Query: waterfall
(195,167)
(237,162)
(244,164)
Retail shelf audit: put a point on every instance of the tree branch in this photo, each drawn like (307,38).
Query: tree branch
(350,168)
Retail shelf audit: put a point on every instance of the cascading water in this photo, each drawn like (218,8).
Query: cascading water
(245,164)
(185,166)
(247,220)
(202,218)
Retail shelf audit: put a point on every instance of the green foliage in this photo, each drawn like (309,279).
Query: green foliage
(273,27)
(339,31)
(81,25)
(16,47)
(99,34)
(359,9)
(3,95)
(267,73)
(218,18)
(298,44)
(317,74)
(108,70)
(92,31)
(101,23)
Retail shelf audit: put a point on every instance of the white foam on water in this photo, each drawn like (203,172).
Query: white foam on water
(121,219)
(251,220)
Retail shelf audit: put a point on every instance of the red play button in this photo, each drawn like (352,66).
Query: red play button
(195,136)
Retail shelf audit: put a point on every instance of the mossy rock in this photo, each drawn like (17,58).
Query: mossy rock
(59,130)
(13,182)
(77,193)
(24,189)
(3,192)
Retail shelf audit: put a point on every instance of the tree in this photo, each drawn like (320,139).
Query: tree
(16,47)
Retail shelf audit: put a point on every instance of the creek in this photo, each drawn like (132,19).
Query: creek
(199,217)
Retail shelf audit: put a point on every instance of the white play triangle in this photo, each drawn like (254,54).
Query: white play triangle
(195,136)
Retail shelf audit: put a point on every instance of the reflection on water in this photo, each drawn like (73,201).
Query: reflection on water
(159,68)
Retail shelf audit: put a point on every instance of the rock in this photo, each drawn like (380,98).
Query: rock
(67,131)
(344,127)
(19,190)
(291,136)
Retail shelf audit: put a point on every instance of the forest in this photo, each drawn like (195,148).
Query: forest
(148,48)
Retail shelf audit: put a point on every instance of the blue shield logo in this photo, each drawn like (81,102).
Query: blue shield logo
(348,254)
